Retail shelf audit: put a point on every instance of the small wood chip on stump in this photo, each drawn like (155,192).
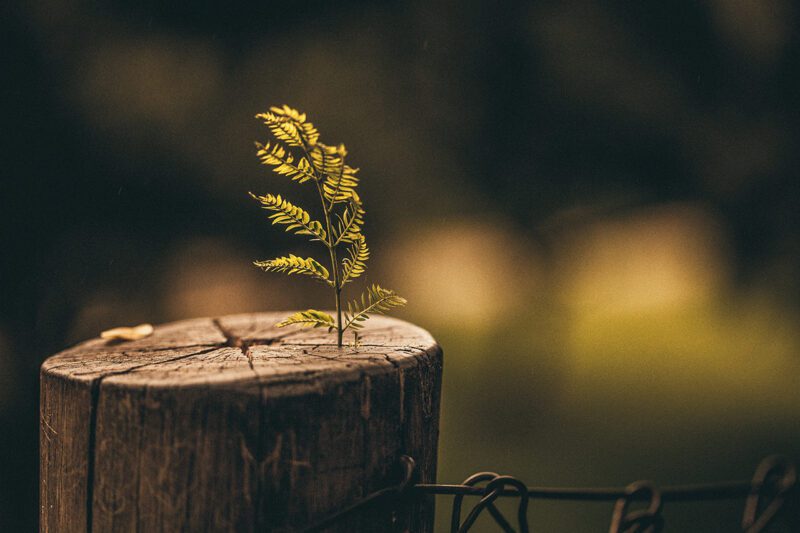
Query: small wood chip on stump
(232,424)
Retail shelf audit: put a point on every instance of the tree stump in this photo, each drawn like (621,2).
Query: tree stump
(231,424)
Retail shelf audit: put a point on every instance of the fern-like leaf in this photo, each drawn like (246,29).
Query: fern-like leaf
(295,218)
(340,179)
(356,264)
(348,225)
(284,163)
(290,126)
(328,159)
(341,187)
(310,318)
(375,300)
(296,265)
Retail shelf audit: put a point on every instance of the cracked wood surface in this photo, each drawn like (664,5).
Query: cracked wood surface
(231,424)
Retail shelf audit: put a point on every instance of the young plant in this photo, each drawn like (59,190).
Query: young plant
(298,155)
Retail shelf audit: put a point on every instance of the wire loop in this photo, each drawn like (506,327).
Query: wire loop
(495,488)
(773,479)
(646,520)
(480,477)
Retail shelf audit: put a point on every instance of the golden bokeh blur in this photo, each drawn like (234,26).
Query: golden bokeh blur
(462,274)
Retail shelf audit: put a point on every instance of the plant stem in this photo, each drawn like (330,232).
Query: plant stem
(339,330)
(334,267)
(338,292)
(327,209)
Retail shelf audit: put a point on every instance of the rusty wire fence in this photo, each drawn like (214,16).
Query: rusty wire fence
(637,508)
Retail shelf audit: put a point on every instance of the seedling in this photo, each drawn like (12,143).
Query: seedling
(299,155)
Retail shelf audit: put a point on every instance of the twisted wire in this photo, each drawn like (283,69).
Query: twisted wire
(774,479)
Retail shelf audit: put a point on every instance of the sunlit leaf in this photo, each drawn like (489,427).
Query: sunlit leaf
(310,318)
(284,163)
(293,217)
(356,264)
(375,300)
(293,264)
(290,126)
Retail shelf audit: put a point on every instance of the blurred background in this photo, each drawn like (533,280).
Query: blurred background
(592,205)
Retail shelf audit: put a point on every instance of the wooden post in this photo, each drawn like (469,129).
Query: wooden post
(231,424)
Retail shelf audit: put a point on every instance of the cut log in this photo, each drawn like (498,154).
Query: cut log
(231,424)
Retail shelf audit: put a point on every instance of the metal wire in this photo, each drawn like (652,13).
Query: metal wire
(647,520)
(783,476)
(765,495)
(409,467)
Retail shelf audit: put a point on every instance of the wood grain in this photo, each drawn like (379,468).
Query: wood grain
(231,424)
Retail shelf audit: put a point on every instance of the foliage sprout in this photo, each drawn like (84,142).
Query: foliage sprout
(298,155)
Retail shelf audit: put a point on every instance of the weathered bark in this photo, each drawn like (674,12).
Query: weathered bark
(231,424)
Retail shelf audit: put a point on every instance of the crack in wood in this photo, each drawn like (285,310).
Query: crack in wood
(237,341)
(95,397)
(138,351)
(95,400)
(234,341)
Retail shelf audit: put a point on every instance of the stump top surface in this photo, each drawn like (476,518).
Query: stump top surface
(242,349)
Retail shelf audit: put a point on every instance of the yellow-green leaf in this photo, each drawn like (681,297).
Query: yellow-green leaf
(293,217)
(290,126)
(310,318)
(293,264)
(283,163)
(356,264)
(375,300)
